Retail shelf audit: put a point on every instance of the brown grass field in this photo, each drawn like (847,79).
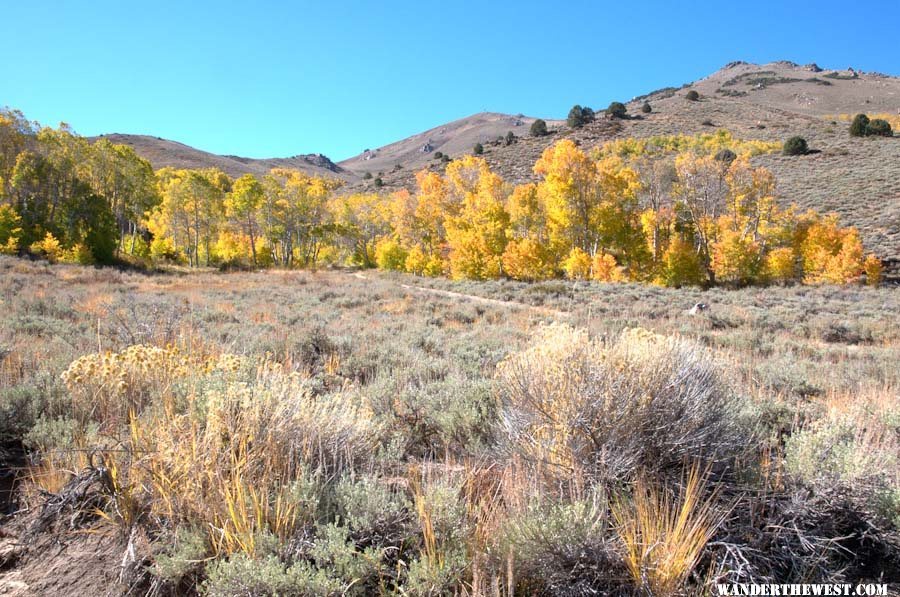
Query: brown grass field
(325,433)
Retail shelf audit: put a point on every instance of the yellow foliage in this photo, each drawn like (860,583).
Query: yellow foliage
(736,257)
(873,269)
(162,248)
(527,259)
(473,258)
(421,264)
(831,254)
(681,265)
(781,264)
(79,253)
(10,230)
(11,247)
(705,143)
(476,221)
(605,269)
(48,247)
(577,265)
(390,255)
(233,246)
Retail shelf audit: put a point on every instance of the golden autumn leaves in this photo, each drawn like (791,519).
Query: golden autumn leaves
(627,212)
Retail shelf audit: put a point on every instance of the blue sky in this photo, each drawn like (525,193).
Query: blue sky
(266,79)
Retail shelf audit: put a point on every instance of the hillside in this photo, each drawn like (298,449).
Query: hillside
(454,138)
(857,178)
(163,152)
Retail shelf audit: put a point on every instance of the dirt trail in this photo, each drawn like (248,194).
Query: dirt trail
(477,299)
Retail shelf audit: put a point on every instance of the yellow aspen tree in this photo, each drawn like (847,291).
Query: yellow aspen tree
(605,269)
(577,264)
(701,190)
(527,259)
(780,265)
(681,264)
(242,206)
(831,254)
(570,195)
(874,270)
(477,226)
(736,257)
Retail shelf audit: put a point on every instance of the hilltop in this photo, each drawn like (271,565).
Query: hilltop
(454,138)
(163,152)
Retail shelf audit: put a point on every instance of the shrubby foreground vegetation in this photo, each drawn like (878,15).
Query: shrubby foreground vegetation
(672,210)
(382,433)
(302,433)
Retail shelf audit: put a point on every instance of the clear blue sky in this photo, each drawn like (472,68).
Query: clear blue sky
(266,79)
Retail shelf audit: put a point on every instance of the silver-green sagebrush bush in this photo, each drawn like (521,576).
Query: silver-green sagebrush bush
(611,409)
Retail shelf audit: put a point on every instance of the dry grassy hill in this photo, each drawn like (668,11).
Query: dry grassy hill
(162,153)
(454,138)
(857,178)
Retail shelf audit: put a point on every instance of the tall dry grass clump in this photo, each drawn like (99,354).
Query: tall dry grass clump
(229,455)
(664,535)
(607,409)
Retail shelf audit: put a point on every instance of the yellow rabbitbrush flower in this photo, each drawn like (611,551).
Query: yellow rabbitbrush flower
(111,387)
(235,461)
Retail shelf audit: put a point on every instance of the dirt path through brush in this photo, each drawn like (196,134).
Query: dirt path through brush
(476,299)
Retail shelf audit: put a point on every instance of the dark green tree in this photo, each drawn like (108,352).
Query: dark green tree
(879,127)
(860,126)
(575,119)
(795,146)
(617,110)
(538,128)
(726,156)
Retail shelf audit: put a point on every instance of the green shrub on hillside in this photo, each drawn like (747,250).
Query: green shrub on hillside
(795,146)
(617,110)
(538,128)
(880,128)
(860,125)
(725,155)
(578,116)
(863,127)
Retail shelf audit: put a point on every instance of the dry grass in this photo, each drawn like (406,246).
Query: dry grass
(242,444)
(664,536)
(227,459)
